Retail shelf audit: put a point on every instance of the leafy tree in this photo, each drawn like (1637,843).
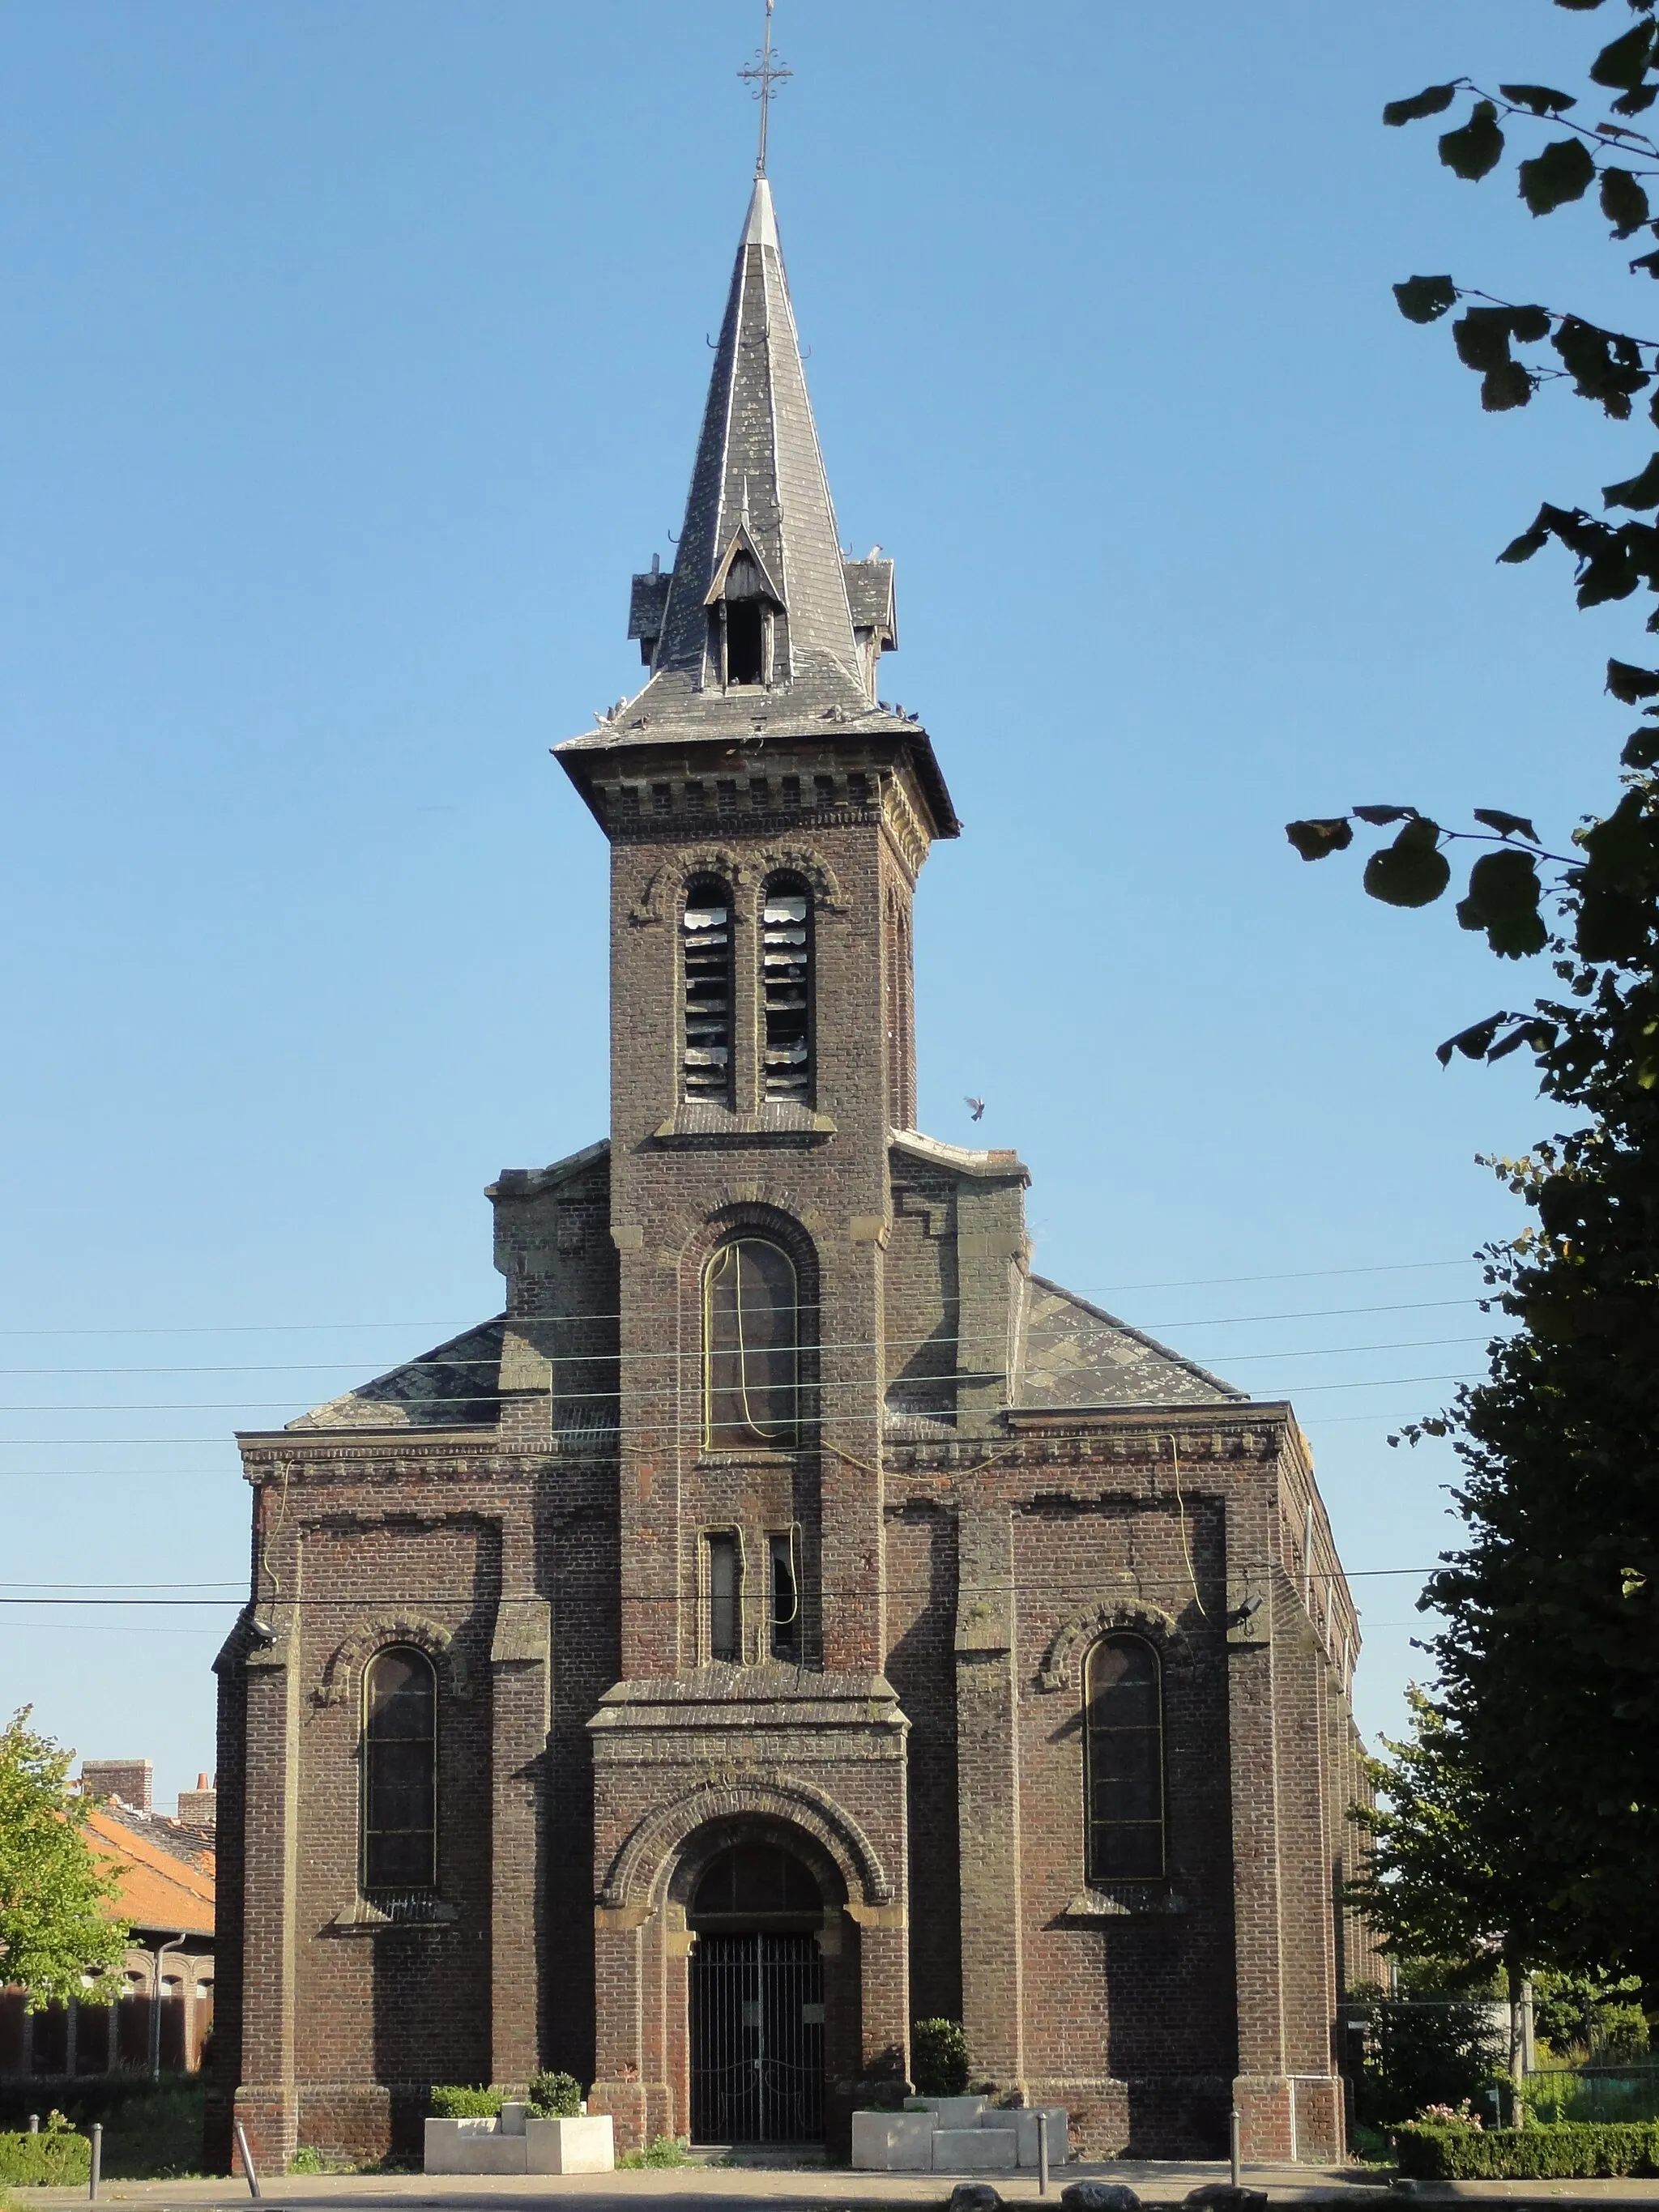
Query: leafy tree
(1589,2018)
(55,1925)
(1543,1734)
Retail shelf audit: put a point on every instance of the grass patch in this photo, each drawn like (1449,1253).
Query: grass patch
(661,2150)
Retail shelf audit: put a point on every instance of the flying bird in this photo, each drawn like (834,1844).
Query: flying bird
(976,1108)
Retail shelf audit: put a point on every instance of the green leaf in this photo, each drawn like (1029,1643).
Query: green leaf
(1473,1043)
(1315,839)
(1629,684)
(1380,816)
(1528,324)
(1624,62)
(1505,387)
(1648,261)
(1434,99)
(1502,900)
(1641,747)
(1639,491)
(1413,871)
(1565,170)
(1579,7)
(1538,98)
(1633,103)
(1530,541)
(1624,202)
(1482,338)
(1425,298)
(1506,825)
(1477,148)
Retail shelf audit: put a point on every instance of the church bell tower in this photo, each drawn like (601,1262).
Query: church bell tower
(768,817)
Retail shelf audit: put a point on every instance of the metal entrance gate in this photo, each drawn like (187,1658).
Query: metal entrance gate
(756,2006)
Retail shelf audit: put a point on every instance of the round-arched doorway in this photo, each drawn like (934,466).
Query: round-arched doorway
(755,1998)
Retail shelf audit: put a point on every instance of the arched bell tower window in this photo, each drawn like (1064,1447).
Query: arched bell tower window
(400,1771)
(787,975)
(1124,1756)
(705,967)
(751,1356)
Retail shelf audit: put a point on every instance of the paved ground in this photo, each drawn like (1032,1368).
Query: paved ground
(755,2188)
(749,2187)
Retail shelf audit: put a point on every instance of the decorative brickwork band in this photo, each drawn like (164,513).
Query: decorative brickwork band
(372,1635)
(1056,1670)
(641,1864)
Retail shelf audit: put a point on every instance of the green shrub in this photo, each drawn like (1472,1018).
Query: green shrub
(1425,2050)
(1568,2153)
(450,2102)
(661,2150)
(938,2057)
(555,2097)
(57,2158)
(156,2136)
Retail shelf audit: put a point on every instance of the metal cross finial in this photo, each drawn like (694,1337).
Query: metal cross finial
(763,73)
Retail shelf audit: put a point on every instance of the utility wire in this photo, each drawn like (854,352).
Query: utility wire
(326,1328)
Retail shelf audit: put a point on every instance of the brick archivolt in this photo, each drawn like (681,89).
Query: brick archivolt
(413,1629)
(1058,1667)
(743,871)
(640,1870)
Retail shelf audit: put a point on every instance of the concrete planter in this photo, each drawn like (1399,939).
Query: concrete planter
(583,2146)
(956,2134)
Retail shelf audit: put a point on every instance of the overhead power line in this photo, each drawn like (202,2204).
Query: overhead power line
(331,1327)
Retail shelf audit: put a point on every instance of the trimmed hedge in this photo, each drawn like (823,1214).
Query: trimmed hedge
(1572,2151)
(555,2097)
(55,2159)
(450,2102)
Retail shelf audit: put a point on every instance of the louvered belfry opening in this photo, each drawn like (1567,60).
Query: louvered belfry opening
(787,963)
(706,952)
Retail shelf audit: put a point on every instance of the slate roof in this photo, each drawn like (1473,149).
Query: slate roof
(1077,1354)
(759,469)
(453,1386)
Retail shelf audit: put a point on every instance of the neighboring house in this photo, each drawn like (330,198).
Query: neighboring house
(167,1897)
(792,1616)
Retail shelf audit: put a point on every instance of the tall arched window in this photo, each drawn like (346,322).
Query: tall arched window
(400,1771)
(706,961)
(750,1346)
(1124,1729)
(786,976)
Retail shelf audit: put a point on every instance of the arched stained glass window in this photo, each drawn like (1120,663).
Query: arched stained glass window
(1124,1727)
(706,956)
(400,1771)
(750,1346)
(786,979)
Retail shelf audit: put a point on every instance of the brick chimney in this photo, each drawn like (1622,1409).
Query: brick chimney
(132,1780)
(199,1808)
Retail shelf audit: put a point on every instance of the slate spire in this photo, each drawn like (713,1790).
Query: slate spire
(759,477)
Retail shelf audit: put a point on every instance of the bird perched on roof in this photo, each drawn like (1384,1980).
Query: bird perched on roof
(975,1108)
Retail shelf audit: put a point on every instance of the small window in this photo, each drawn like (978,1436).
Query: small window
(400,1772)
(750,1340)
(725,1598)
(706,931)
(785,1598)
(1125,1759)
(745,641)
(786,969)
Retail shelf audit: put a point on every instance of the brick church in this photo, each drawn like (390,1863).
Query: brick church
(790,1617)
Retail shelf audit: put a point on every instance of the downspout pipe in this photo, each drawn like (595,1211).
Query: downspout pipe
(172,1943)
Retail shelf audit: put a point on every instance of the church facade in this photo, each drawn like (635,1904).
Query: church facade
(791,1617)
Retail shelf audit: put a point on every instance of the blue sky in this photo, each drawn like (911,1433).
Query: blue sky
(354,360)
